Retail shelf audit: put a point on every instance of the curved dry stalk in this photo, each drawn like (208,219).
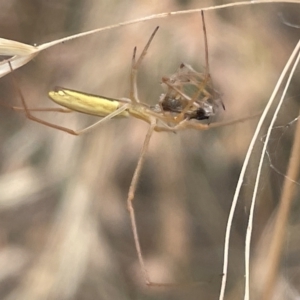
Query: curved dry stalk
(275,247)
(161,16)
(244,167)
(22,53)
(269,285)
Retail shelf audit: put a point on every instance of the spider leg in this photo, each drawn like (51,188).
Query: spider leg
(40,109)
(134,68)
(130,198)
(207,77)
(187,124)
(58,127)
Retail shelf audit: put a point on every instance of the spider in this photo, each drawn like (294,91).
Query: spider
(177,109)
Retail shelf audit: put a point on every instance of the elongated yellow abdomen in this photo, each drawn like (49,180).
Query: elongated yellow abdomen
(86,103)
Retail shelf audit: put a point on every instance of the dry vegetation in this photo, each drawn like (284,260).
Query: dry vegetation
(64,229)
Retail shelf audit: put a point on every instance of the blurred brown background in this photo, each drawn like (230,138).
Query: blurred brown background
(64,228)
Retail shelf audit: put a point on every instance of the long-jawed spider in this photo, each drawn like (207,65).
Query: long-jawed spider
(178,109)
